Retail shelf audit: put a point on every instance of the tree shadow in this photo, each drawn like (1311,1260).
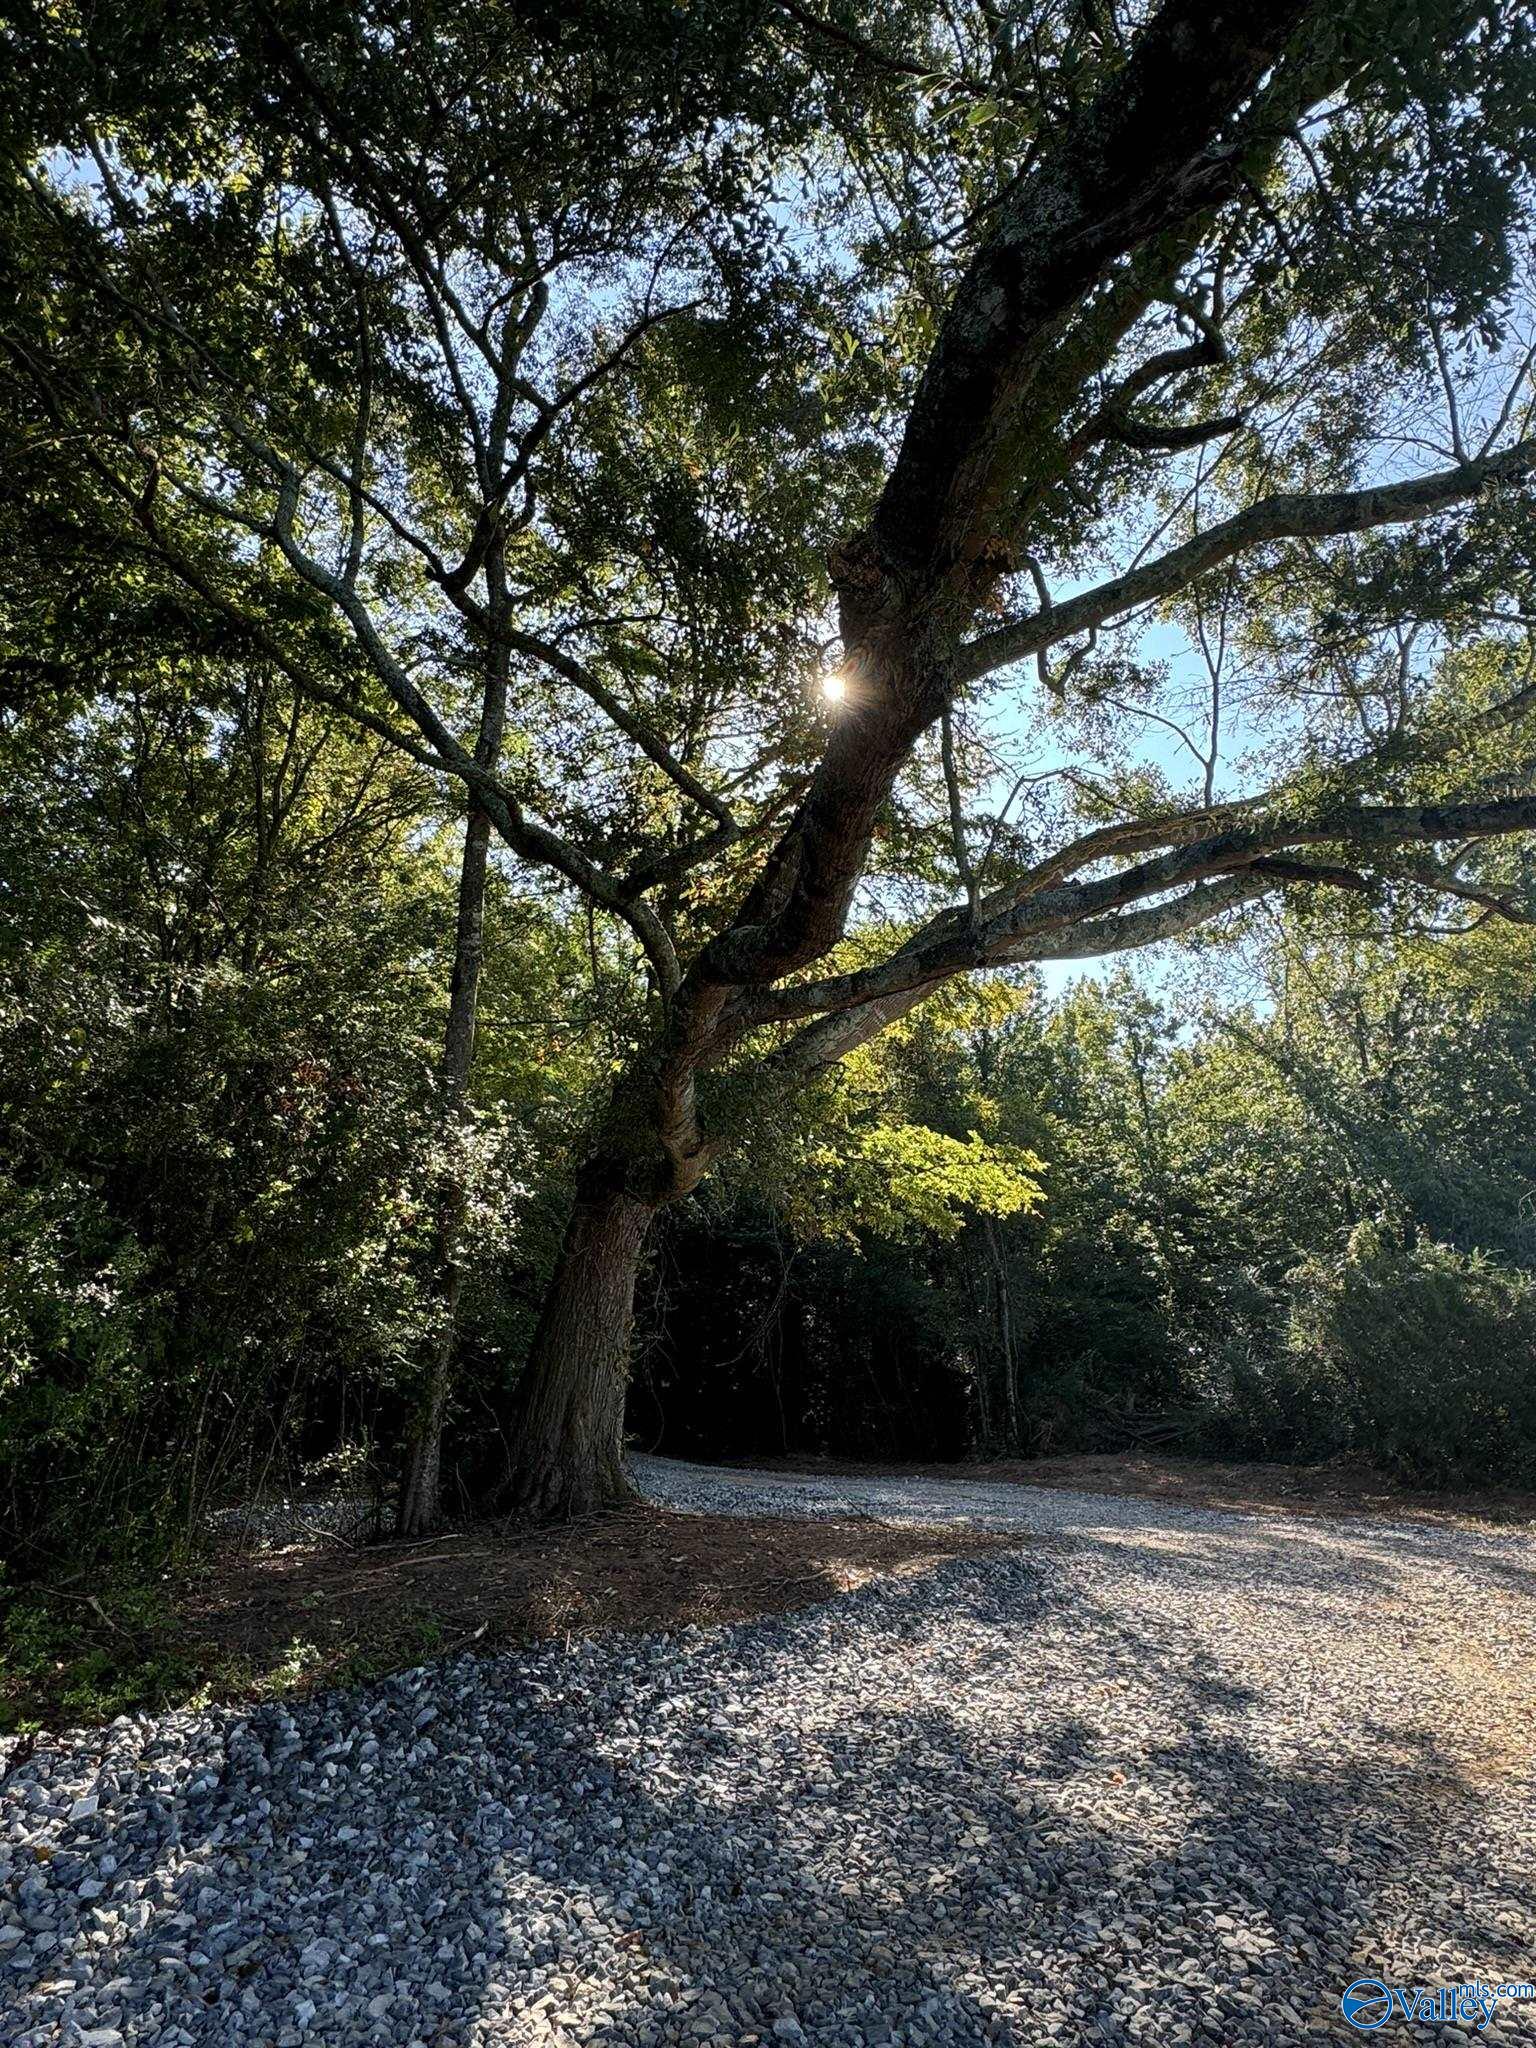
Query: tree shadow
(990,1805)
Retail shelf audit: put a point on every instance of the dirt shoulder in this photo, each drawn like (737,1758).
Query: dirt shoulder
(1333,1489)
(280,1622)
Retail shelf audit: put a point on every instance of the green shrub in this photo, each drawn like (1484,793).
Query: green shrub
(1411,1354)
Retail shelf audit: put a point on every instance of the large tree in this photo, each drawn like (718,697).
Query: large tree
(712,439)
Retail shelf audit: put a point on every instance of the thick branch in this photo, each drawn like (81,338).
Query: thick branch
(1287,516)
(1131,431)
(1143,158)
(1058,922)
(831,1038)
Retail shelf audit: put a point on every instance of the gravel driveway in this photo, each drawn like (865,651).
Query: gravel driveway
(1157,1775)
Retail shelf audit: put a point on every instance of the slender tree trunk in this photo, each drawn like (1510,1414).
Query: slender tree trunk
(421,1493)
(421,1490)
(421,1486)
(1005,1336)
(567,1455)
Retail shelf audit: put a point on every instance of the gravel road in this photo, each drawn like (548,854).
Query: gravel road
(1155,1775)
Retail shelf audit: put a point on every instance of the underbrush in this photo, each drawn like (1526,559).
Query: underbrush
(86,1657)
(70,1660)
(1413,1357)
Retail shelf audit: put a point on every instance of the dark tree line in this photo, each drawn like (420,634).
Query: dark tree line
(1302,1229)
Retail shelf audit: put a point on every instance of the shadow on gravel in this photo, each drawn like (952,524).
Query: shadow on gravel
(988,1806)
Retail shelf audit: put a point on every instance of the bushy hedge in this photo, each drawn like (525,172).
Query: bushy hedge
(1410,1354)
(212,1227)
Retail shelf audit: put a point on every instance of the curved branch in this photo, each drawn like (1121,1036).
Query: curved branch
(618,713)
(1169,436)
(1072,919)
(1286,516)
(831,1038)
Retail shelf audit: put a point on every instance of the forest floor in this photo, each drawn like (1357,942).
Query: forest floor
(273,1619)
(1338,1488)
(289,1608)
(1141,1775)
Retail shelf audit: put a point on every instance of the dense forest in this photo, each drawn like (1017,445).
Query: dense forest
(611,620)
(1277,1199)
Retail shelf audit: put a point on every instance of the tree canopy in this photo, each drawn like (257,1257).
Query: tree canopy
(849,497)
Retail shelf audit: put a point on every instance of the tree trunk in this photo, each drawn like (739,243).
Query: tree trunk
(421,1492)
(421,1505)
(1005,1335)
(567,1454)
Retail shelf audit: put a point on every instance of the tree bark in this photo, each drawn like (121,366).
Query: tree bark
(421,1506)
(567,1454)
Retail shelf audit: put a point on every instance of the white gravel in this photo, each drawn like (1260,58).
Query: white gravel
(1156,1776)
